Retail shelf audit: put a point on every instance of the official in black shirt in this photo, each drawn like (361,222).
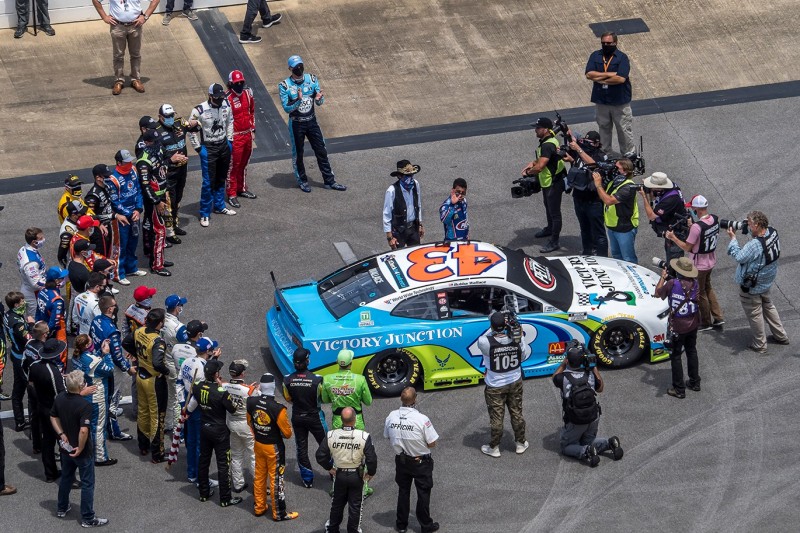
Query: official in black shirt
(666,210)
(47,381)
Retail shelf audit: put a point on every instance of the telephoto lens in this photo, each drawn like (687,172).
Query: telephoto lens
(660,263)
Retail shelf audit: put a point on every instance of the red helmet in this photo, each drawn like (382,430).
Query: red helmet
(235,76)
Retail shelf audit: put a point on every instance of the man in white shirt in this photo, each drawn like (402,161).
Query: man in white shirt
(402,208)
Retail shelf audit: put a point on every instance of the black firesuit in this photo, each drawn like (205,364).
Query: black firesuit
(16,328)
(173,141)
(153,182)
(303,390)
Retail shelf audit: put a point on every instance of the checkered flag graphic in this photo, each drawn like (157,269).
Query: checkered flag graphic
(583,298)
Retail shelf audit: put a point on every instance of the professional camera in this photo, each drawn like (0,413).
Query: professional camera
(660,263)
(736,225)
(525,186)
(680,227)
(513,327)
(589,360)
(749,281)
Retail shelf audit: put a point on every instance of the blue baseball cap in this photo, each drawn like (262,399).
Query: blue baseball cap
(56,273)
(173,301)
(205,344)
(295,60)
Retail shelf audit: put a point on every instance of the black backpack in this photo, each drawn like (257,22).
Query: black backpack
(581,406)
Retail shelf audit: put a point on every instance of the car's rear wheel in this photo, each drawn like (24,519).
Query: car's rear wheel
(391,371)
(619,343)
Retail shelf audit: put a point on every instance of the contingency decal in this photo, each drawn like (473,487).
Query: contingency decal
(365,319)
(438,262)
(539,274)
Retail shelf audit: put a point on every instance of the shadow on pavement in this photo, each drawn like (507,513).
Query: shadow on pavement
(282,181)
(106,82)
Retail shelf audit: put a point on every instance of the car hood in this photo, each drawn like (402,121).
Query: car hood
(594,278)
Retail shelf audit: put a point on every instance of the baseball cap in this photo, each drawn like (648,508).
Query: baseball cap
(101,170)
(148,122)
(300,355)
(86,222)
(100,265)
(150,136)
(575,356)
(592,136)
(216,90)
(267,384)
(235,76)
(543,122)
(124,156)
(82,245)
(166,110)
(194,327)
(173,301)
(698,200)
(498,320)
(205,344)
(76,206)
(212,367)
(56,273)
(295,60)
(345,357)
(143,293)
(73,181)
(237,367)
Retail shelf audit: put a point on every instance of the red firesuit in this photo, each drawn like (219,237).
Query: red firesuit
(244,126)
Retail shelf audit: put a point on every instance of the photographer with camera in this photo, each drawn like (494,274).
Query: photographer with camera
(684,319)
(755,274)
(701,244)
(621,210)
(549,169)
(503,355)
(579,381)
(588,151)
(664,207)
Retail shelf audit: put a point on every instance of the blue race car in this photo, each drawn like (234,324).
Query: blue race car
(415,315)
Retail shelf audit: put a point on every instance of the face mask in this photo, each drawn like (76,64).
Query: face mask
(407,182)
(20,309)
(125,168)
(238,87)
(298,70)
(169,121)
(147,302)
(178,311)
(61,283)
(114,316)
(216,102)
(87,253)
(609,49)
(37,244)
(91,231)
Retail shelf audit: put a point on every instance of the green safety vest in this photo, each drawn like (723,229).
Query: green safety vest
(545,177)
(610,215)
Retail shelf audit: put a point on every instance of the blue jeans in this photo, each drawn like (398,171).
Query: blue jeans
(576,438)
(191,436)
(622,245)
(128,242)
(84,465)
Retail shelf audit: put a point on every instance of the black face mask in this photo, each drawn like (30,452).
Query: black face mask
(298,70)
(216,102)
(238,87)
(609,49)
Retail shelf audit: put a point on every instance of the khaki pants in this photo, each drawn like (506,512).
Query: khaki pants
(759,308)
(619,116)
(709,307)
(129,37)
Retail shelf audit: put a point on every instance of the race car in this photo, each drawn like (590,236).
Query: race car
(414,315)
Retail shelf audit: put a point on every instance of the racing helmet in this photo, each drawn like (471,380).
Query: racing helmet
(294,61)
(235,76)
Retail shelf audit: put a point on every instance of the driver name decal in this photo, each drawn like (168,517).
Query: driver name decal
(389,339)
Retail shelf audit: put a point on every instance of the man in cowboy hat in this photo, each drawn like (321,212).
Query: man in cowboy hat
(684,319)
(664,207)
(47,381)
(402,208)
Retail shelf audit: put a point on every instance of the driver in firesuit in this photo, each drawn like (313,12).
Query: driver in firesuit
(212,142)
(270,426)
(242,454)
(151,385)
(172,131)
(72,192)
(214,401)
(243,106)
(51,309)
(153,182)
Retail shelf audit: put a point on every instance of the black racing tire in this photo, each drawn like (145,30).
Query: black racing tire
(619,343)
(391,371)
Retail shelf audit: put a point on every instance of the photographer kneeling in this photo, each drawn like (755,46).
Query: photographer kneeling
(665,208)
(579,383)
(758,267)
(587,203)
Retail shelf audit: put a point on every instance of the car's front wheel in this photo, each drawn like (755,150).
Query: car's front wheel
(619,343)
(391,371)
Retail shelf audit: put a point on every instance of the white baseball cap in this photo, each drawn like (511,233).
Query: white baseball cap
(698,200)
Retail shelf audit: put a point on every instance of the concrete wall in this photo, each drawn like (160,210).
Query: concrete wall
(80,10)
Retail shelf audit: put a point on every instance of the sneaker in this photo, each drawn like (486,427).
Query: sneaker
(234,202)
(240,489)
(49,30)
(211,482)
(179,231)
(757,349)
(616,448)
(167,19)
(522,446)
(290,515)
(718,323)
(19,33)
(123,281)
(4,397)
(308,484)
(708,327)
(169,264)
(233,501)
(695,388)
(114,290)
(95,522)
(138,273)
(783,342)
(249,39)
(118,411)
(549,247)
(248,195)
(204,221)
(335,186)
(121,436)
(62,514)
(675,394)
(274,19)
(22,427)
(207,497)
(190,14)
(107,462)
(491,452)
(431,528)
(162,272)
(304,187)
(225,211)
(174,239)
(542,233)
(591,456)
(8,490)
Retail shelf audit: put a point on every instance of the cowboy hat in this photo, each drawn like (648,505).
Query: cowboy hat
(405,168)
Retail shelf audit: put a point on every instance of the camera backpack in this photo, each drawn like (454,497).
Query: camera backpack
(581,406)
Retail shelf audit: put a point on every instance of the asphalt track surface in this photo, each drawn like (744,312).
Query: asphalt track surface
(724,459)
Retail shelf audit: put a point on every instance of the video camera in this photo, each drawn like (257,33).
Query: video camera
(679,227)
(588,360)
(510,309)
(736,225)
(525,186)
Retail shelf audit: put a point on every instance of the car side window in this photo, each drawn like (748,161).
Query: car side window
(471,301)
(422,306)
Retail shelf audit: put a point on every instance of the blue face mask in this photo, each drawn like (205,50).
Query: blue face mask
(169,121)
(407,182)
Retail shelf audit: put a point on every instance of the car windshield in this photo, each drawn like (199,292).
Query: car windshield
(352,287)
